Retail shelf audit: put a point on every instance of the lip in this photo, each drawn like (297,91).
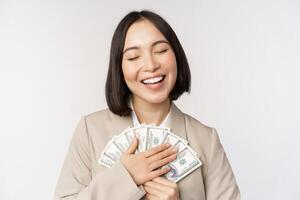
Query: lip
(155,86)
(153,77)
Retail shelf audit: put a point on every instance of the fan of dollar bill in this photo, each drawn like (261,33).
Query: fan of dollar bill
(150,136)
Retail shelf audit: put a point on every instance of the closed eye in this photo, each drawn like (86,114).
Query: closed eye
(162,51)
(134,58)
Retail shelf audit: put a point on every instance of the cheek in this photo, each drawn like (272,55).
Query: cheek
(129,72)
(171,64)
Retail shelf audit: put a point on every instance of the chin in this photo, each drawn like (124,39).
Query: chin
(157,99)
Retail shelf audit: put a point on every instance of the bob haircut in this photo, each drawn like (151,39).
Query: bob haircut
(116,90)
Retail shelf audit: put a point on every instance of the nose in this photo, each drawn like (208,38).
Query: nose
(150,64)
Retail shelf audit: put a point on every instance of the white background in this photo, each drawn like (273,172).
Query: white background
(244,58)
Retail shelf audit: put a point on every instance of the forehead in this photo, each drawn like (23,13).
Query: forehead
(142,33)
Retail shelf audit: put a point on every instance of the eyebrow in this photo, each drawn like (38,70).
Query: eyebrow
(154,43)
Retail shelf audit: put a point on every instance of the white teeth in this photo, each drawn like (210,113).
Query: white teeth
(153,80)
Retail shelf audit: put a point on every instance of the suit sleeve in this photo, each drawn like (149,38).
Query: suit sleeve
(220,181)
(76,181)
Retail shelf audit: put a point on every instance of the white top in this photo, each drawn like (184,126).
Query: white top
(165,122)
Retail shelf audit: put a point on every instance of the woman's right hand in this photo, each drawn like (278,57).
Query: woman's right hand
(146,166)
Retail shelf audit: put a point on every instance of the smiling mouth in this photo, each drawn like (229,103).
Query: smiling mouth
(153,80)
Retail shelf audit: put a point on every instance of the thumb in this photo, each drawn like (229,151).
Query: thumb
(132,148)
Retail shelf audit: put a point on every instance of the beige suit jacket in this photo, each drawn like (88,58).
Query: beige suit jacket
(82,178)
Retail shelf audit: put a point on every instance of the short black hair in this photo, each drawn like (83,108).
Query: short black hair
(116,90)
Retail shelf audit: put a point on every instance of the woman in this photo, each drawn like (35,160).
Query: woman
(148,70)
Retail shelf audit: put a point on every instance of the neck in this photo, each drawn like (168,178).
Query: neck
(150,113)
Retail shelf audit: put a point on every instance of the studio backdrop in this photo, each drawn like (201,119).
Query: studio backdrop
(244,58)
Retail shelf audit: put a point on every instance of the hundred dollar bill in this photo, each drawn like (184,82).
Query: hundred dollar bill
(179,146)
(121,141)
(172,139)
(185,163)
(129,136)
(155,136)
(106,161)
(112,151)
(142,134)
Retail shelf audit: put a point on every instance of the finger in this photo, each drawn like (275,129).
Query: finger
(159,172)
(164,181)
(170,189)
(157,186)
(162,154)
(151,197)
(132,148)
(153,191)
(156,150)
(160,163)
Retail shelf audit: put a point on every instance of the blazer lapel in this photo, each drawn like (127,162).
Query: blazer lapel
(119,124)
(177,121)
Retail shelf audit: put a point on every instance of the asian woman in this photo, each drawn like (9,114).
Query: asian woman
(148,71)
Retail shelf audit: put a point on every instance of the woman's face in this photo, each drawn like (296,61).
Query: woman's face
(149,63)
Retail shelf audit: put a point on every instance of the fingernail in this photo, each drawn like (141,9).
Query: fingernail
(168,144)
(175,150)
(166,167)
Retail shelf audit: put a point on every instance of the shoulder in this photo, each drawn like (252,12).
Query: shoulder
(90,124)
(194,124)
(104,117)
(197,131)
(99,115)
(105,123)
(99,121)
(194,129)
(97,127)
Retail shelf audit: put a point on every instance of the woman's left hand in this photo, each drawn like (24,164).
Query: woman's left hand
(161,188)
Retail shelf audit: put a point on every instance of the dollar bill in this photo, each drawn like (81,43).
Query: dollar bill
(185,163)
(112,151)
(142,134)
(106,161)
(155,136)
(122,142)
(172,139)
(180,146)
(150,136)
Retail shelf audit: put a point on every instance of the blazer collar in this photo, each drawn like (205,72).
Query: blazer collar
(176,122)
